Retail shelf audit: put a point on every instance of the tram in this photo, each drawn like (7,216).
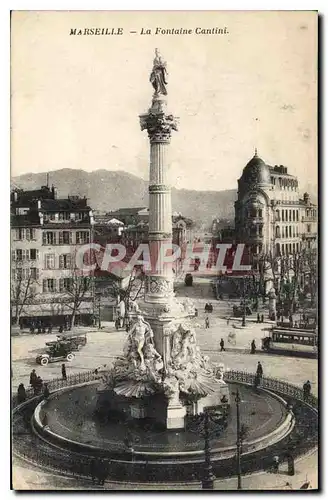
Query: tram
(292,342)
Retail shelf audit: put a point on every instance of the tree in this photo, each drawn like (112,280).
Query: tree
(77,288)
(23,290)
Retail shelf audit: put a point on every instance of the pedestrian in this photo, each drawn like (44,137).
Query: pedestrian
(21,394)
(259,370)
(222,345)
(38,385)
(262,318)
(306,390)
(196,312)
(253,347)
(275,464)
(207,322)
(63,370)
(258,318)
(46,392)
(33,377)
(228,320)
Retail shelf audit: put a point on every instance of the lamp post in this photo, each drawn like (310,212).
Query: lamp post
(237,400)
(208,479)
(242,431)
(202,426)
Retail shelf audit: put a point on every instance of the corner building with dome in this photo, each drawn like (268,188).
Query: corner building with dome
(270,216)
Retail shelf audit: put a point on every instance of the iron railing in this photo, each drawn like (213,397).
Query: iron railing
(272,384)
(28,445)
(243,377)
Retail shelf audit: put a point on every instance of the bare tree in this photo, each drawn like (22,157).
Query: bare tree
(23,290)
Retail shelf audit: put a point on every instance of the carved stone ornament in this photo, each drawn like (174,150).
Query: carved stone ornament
(159,188)
(158,285)
(158,125)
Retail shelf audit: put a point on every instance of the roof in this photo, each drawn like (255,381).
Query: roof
(65,204)
(256,171)
(128,211)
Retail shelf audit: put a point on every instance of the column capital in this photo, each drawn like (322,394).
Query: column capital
(158,125)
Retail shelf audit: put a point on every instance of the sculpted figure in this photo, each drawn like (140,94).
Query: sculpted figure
(158,75)
(139,334)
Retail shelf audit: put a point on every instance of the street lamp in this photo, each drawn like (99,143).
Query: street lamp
(241,434)
(202,426)
(237,400)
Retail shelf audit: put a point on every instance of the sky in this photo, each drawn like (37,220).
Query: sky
(76,100)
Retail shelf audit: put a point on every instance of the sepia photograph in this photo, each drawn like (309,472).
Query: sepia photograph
(164,214)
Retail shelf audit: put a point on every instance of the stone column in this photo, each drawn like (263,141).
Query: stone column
(159,124)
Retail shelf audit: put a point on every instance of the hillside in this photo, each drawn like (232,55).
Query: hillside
(109,190)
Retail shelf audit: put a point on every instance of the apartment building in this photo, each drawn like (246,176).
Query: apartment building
(46,232)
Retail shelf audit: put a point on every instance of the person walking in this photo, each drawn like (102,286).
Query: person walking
(306,390)
(63,370)
(38,385)
(33,377)
(262,318)
(253,347)
(21,394)
(222,345)
(258,318)
(207,322)
(228,320)
(259,370)
(275,464)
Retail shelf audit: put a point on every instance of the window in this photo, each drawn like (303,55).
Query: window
(260,212)
(65,284)
(49,261)
(34,273)
(82,237)
(65,261)
(297,215)
(309,228)
(34,254)
(30,233)
(283,215)
(290,231)
(65,238)
(20,234)
(21,255)
(64,216)
(277,232)
(52,217)
(49,285)
(293,215)
(49,238)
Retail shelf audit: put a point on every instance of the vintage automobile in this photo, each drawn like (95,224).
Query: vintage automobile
(59,351)
(76,341)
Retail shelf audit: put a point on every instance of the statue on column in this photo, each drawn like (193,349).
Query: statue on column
(158,75)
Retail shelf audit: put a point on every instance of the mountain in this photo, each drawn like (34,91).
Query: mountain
(109,190)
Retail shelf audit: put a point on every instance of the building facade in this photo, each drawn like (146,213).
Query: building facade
(46,287)
(269,214)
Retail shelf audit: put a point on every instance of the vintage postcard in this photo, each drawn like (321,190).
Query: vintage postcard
(164,289)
